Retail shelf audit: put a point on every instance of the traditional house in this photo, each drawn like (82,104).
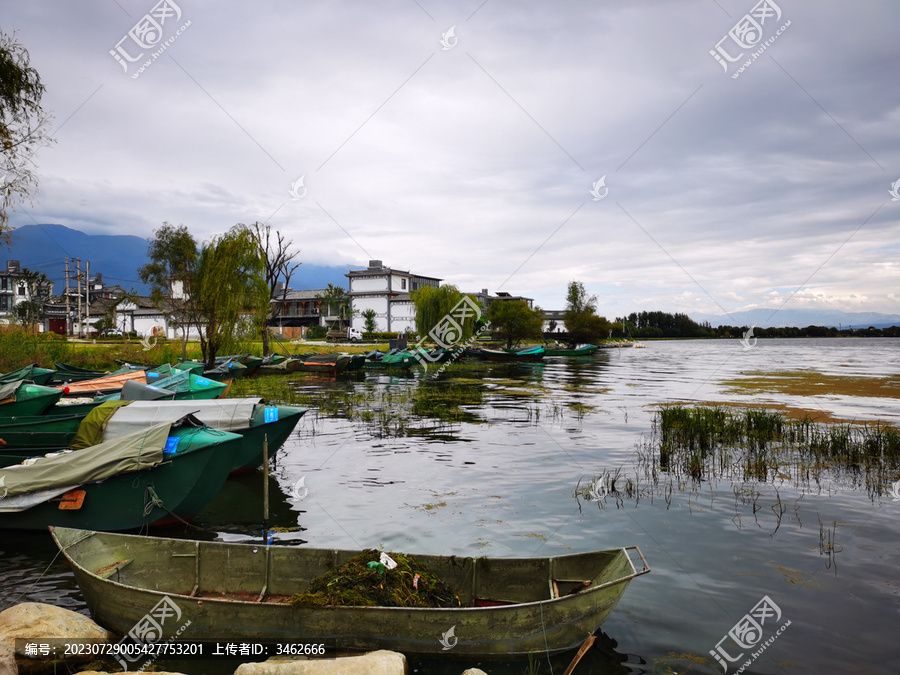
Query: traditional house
(386,291)
(298,310)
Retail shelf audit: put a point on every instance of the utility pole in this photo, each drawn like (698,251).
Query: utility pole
(87,284)
(66,292)
(78,286)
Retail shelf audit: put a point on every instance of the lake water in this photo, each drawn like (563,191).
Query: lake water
(503,483)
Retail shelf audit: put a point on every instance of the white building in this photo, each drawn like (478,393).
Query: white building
(387,292)
(13,290)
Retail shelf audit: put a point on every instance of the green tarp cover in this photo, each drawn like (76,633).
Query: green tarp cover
(90,431)
(134,452)
(25,373)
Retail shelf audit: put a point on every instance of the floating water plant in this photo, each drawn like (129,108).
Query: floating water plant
(358,584)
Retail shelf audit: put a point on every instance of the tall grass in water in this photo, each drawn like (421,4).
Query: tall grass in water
(705,442)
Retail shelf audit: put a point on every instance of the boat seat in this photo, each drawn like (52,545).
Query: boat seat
(107,571)
(579,585)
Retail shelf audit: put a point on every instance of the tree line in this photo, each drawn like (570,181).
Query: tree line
(667,325)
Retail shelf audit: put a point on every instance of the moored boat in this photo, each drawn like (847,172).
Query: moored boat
(23,398)
(329,363)
(159,473)
(250,418)
(68,373)
(530,354)
(508,607)
(103,385)
(32,373)
(276,364)
(395,359)
(580,350)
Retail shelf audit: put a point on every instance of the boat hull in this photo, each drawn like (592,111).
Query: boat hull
(275,432)
(228,580)
(126,501)
(586,351)
(499,355)
(30,399)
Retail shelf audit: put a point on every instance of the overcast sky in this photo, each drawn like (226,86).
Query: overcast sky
(473,159)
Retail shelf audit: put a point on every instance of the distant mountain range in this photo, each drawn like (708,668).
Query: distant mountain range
(44,248)
(764,318)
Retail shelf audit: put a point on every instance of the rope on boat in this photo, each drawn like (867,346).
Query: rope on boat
(153,501)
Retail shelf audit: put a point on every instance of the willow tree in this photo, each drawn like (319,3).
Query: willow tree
(232,294)
(438,309)
(23,127)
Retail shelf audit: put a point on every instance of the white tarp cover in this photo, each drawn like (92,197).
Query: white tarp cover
(8,389)
(134,452)
(224,414)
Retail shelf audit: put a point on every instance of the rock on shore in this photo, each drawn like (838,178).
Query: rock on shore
(35,620)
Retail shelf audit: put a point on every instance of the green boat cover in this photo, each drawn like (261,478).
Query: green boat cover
(90,431)
(29,372)
(62,472)
(181,382)
(227,414)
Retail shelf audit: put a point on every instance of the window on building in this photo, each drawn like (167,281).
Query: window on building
(403,284)
(4,283)
(22,290)
(4,303)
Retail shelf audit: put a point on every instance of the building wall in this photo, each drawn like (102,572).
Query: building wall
(403,317)
(400,283)
(360,284)
(377,302)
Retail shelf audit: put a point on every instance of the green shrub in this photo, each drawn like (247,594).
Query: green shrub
(316,333)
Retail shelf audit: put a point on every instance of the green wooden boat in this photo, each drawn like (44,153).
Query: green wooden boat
(530,354)
(33,373)
(329,363)
(24,437)
(190,386)
(250,418)
(196,367)
(182,385)
(400,361)
(510,607)
(582,350)
(23,398)
(155,475)
(69,373)
(276,364)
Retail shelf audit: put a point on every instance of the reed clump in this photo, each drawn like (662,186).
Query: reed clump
(709,442)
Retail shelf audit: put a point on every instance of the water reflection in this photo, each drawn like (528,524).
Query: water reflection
(530,464)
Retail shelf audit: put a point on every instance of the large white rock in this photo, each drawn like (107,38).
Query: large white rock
(35,620)
(373,663)
(474,671)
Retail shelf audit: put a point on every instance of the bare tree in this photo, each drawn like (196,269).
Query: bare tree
(280,267)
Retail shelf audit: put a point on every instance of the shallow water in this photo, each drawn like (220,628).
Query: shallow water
(504,485)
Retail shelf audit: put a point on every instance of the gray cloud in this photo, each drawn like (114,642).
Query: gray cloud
(460,163)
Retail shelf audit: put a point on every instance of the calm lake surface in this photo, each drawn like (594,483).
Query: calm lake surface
(503,483)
